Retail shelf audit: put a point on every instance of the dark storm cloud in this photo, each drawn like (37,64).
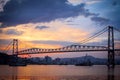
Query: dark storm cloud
(100,20)
(25,11)
(111,9)
(41,27)
(114,3)
(13,32)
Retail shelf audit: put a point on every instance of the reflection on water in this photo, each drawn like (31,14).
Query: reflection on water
(111,74)
(57,72)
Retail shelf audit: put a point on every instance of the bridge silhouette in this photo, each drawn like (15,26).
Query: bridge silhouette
(77,47)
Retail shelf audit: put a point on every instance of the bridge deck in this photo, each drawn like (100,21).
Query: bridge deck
(41,52)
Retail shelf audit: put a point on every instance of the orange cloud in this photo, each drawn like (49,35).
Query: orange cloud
(56,31)
(26,45)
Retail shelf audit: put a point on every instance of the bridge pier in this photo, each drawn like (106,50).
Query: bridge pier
(111,51)
(14,59)
(15,46)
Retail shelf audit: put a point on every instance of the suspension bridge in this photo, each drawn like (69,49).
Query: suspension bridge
(77,47)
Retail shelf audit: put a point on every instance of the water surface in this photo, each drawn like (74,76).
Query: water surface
(58,72)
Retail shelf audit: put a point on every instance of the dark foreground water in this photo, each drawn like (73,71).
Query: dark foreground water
(59,72)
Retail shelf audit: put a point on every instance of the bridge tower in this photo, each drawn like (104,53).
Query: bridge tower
(15,46)
(111,52)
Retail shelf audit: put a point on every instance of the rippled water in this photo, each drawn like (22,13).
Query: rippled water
(58,72)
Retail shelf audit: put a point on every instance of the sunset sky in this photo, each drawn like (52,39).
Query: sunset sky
(55,23)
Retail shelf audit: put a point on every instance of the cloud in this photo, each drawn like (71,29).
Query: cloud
(114,3)
(2,4)
(57,31)
(100,20)
(1,31)
(4,43)
(51,42)
(77,2)
(13,32)
(32,11)
(41,27)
